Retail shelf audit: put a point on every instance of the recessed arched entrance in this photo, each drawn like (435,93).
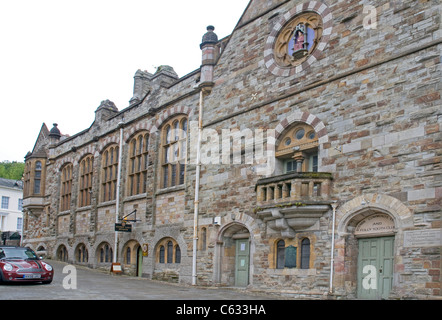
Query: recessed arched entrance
(369,237)
(374,237)
(133,258)
(233,253)
(62,253)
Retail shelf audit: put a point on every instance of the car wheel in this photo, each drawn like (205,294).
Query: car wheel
(47,282)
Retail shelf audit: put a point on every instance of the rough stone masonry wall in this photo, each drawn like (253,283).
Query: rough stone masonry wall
(378,94)
(376,91)
(94,224)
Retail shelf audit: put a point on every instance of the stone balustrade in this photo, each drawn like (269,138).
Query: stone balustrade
(294,187)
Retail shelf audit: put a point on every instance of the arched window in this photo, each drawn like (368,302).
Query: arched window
(109,173)
(82,254)
(138,164)
(203,239)
(174,152)
(27,180)
(37,177)
(168,251)
(62,253)
(280,254)
(86,173)
(105,253)
(298,39)
(305,254)
(298,149)
(128,253)
(161,258)
(177,254)
(66,187)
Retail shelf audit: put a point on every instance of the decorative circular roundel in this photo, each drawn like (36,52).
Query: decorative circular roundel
(298,39)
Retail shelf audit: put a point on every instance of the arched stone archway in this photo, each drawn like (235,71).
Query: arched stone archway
(364,205)
(132,258)
(62,253)
(369,233)
(233,255)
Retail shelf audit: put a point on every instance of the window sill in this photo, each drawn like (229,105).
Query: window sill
(171,189)
(64,213)
(135,197)
(85,208)
(292,271)
(107,203)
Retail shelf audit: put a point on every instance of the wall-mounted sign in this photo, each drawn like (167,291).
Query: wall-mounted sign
(290,257)
(375,224)
(145,248)
(123,227)
(423,238)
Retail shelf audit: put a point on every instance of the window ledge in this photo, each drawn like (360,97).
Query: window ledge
(171,189)
(64,213)
(85,208)
(292,271)
(107,203)
(135,197)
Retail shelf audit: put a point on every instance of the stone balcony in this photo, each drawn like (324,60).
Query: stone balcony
(294,201)
(33,204)
(294,187)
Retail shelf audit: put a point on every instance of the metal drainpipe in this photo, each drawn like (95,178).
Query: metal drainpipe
(332,259)
(197,186)
(117,202)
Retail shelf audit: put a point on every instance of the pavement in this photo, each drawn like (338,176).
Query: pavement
(92,284)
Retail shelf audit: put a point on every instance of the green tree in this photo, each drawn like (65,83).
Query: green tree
(12,170)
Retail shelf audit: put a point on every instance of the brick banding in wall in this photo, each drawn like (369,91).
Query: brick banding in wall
(141,126)
(305,117)
(377,202)
(90,149)
(108,141)
(327,20)
(166,114)
(66,160)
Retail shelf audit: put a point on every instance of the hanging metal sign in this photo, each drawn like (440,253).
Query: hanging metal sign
(123,227)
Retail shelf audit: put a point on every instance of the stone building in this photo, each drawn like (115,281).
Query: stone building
(317,174)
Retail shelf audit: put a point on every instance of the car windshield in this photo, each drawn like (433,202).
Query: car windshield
(17,253)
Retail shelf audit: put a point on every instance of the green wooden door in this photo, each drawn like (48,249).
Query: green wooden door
(375,267)
(139,262)
(242,263)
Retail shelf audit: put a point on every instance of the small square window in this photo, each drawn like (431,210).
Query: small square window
(5,202)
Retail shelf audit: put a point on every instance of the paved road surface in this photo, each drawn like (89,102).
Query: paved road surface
(97,285)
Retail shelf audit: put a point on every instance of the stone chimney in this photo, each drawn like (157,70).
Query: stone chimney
(210,54)
(106,110)
(165,76)
(142,86)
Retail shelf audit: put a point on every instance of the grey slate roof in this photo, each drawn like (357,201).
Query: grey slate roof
(14,184)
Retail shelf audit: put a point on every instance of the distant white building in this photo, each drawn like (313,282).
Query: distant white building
(11,206)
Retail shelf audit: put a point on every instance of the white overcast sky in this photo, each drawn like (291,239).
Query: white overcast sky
(60,58)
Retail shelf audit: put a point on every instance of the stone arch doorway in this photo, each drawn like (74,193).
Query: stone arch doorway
(370,253)
(62,253)
(233,253)
(133,258)
(370,232)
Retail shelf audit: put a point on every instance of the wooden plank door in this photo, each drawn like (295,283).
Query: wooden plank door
(375,267)
(242,263)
